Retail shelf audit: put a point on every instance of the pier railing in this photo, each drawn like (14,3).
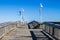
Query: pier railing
(52,29)
(5,29)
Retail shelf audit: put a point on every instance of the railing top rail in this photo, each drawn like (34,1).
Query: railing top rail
(5,25)
(52,24)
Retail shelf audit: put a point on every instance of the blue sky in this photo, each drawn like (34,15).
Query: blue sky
(9,10)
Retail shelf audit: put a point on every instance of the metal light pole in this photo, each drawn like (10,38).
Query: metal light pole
(20,13)
(41,6)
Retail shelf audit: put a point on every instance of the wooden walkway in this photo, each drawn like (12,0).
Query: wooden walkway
(24,33)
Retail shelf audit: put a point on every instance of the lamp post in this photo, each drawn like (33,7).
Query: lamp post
(21,16)
(41,6)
